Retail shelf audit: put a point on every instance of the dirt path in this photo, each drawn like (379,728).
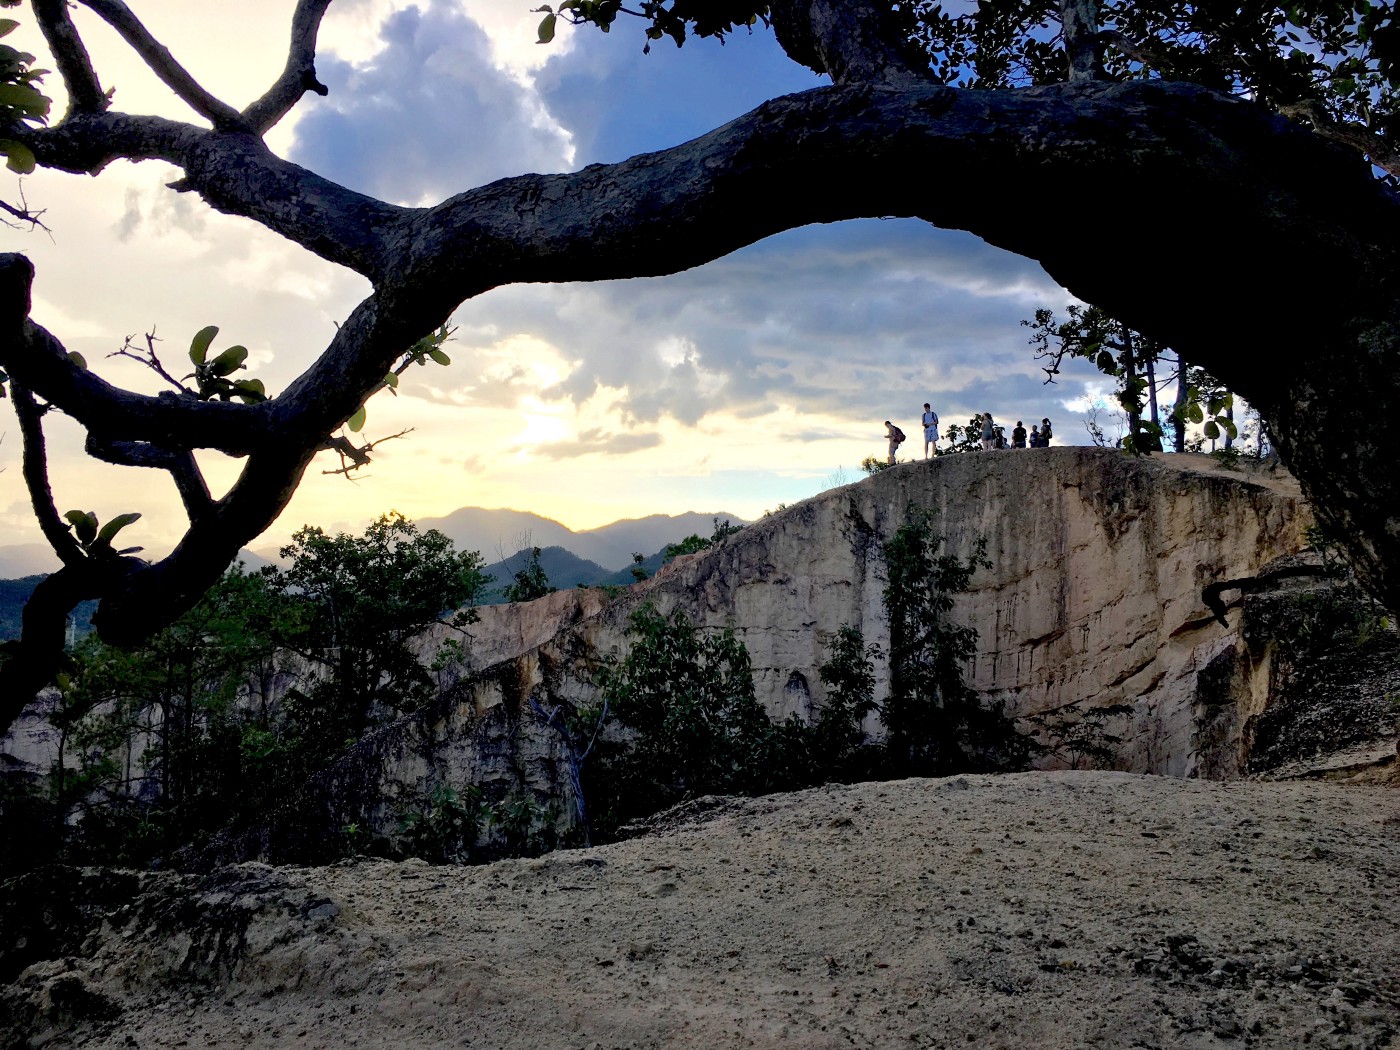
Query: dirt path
(1034,910)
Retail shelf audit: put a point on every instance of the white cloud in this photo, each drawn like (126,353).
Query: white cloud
(429,114)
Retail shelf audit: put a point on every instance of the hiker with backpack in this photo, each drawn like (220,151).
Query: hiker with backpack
(896,437)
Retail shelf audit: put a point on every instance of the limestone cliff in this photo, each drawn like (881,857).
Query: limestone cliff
(1094,600)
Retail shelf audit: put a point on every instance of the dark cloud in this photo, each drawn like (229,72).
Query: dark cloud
(597,441)
(852,320)
(428,116)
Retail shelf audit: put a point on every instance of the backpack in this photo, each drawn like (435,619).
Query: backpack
(898,434)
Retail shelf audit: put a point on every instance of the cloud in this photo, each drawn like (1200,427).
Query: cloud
(596,441)
(851,321)
(429,115)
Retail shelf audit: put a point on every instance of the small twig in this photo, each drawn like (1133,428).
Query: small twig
(352,456)
(23,213)
(148,358)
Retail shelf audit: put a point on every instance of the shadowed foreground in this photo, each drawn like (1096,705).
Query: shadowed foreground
(1032,910)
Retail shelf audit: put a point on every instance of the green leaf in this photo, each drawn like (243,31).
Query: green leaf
(1211,430)
(115,526)
(25,99)
(19,158)
(231,360)
(1194,413)
(391,381)
(84,524)
(251,390)
(78,359)
(439,357)
(547,24)
(356,422)
(1106,363)
(199,345)
(7,26)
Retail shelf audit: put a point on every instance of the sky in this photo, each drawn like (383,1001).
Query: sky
(757,380)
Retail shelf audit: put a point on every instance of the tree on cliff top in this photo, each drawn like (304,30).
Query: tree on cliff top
(1237,164)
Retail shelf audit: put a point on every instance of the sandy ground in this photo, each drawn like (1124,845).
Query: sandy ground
(1033,910)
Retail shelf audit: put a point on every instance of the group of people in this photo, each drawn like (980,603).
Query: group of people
(982,426)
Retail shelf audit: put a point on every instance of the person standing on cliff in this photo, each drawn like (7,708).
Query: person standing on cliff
(930,431)
(1018,435)
(989,433)
(896,437)
(1045,433)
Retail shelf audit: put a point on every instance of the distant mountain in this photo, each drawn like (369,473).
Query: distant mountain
(27,559)
(498,534)
(563,569)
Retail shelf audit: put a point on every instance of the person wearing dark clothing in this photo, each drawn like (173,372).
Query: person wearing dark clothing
(1045,433)
(1018,435)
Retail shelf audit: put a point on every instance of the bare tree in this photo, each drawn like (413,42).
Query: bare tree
(1240,210)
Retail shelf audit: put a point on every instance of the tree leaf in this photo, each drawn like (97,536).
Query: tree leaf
(19,158)
(84,524)
(199,345)
(115,526)
(356,422)
(439,357)
(1211,430)
(7,26)
(547,24)
(78,359)
(231,360)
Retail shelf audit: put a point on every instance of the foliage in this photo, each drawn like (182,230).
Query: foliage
(872,465)
(97,542)
(1325,61)
(1129,358)
(446,827)
(211,377)
(1079,737)
(692,544)
(365,597)
(166,742)
(838,736)
(965,439)
(665,18)
(935,723)
(531,582)
(692,726)
(21,100)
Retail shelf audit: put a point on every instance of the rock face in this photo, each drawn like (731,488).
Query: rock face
(1093,601)
(1093,598)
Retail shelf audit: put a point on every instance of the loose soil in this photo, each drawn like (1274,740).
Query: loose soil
(1033,910)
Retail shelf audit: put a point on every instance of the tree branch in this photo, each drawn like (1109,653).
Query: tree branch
(852,43)
(1375,148)
(36,478)
(162,63)
(237,175)
(298,77)
(1080,22)
(85,92)
(189,481)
